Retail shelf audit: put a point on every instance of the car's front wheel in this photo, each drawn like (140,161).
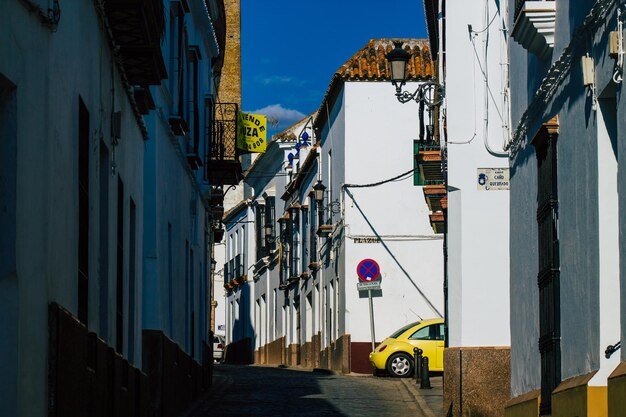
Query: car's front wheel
(400,365)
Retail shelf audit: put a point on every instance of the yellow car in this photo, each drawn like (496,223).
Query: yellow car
(395,353)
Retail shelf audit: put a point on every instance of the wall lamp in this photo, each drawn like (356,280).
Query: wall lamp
(429,93)
(319,189)
(318,192)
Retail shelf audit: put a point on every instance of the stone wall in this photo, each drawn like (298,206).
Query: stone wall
(477,380)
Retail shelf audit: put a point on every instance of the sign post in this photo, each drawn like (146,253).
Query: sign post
(369,279)
(369,295)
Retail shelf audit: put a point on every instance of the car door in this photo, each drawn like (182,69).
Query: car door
(425,339)
(440,337)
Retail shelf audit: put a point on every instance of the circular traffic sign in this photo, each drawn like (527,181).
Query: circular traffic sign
(368,270)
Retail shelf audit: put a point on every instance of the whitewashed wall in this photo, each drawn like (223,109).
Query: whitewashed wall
(379,134)
(478,221)
(49,71)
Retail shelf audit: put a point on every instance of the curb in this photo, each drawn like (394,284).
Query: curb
(421,403)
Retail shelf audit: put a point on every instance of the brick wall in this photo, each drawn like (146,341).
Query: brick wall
(230,84)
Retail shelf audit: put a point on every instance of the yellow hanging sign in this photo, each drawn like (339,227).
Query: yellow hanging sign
(251,132)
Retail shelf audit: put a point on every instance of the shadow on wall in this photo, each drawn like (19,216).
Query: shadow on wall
(241,349)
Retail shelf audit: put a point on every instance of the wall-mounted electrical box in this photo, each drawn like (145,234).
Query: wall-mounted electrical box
(587,64)
(614,43)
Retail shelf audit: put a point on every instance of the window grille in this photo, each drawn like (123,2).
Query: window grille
(270,221)
(261,244)
(313,229)
(548,275)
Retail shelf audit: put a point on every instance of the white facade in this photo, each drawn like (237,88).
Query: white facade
(476,115)
(91,176)
(46,78)
(177,217)
(411,258)
(250,276)
(469,43)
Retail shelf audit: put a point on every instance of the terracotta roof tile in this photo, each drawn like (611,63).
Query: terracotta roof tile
(370,64)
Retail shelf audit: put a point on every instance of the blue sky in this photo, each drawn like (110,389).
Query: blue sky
(291,48)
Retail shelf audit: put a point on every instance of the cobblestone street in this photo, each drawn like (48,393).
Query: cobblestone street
(268,391)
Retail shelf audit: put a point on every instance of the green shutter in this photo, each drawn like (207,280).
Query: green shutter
(417,180)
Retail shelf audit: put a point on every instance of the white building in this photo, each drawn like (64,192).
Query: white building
(251,270)
(567,209)
(306,308)
(180,169)
(470,46)
(104,234)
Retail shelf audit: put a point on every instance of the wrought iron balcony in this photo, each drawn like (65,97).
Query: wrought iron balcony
(433,195)
(437,221)
(428,160)
(234,272)
(137,27)
(222,166)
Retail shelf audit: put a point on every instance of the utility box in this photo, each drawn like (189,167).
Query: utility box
(587,64)
(614,43)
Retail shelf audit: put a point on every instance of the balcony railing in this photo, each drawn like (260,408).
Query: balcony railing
(222,165)
(433,195)
(137,27)
(437,221)
(428,160)
(234,272)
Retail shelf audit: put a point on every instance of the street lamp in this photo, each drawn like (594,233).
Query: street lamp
(318,192)
(429,93)
(398,59)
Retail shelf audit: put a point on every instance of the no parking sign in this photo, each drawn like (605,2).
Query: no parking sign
(368,270)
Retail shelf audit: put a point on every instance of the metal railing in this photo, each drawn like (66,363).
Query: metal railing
(221,132)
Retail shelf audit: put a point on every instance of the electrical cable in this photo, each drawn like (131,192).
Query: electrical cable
(375,184)
(489,24)
(486,59)
(486,80)
(382,242)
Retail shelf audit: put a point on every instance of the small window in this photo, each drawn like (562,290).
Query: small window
(425,333)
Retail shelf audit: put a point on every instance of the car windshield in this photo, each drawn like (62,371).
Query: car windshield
(403,329)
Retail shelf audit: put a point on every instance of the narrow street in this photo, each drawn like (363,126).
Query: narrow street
(269,391)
